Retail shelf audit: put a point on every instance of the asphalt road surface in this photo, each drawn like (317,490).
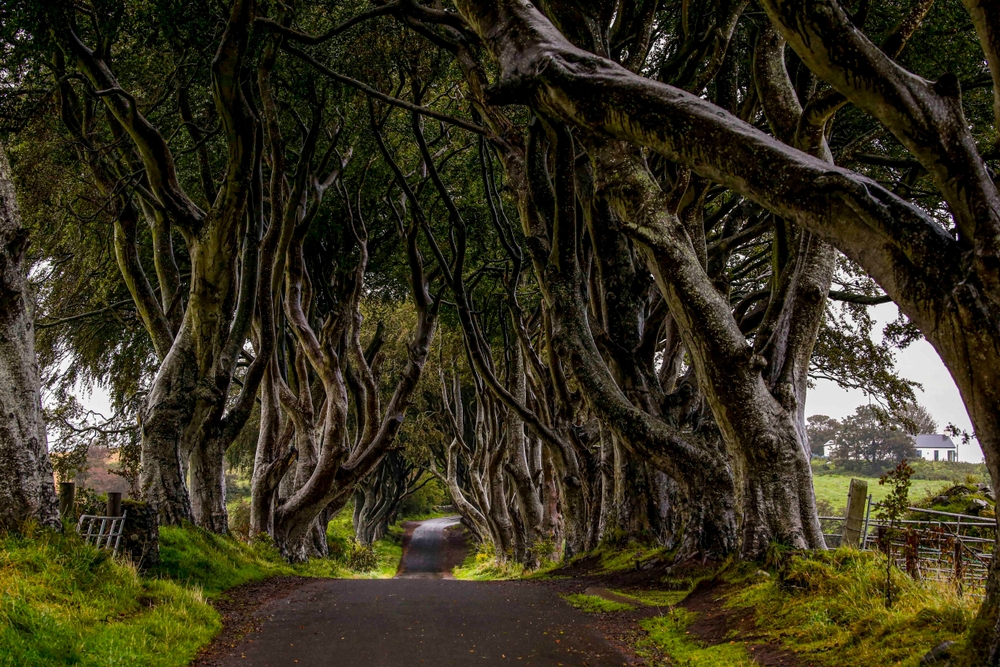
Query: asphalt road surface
(419,619)
(431,550)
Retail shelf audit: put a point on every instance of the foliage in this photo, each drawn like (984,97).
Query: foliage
(916,420)
(871,435)
(422,503)
(891,510)
(379,561)
(820,429)
(848,353)
(88,501)
(360,557)
(483,565)
(239,519)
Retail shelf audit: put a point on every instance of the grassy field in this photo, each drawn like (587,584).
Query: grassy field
(833,489)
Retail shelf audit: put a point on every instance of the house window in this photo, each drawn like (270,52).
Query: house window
(936,457)
(951,456)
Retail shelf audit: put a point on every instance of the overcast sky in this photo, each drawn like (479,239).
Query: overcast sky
(918,362)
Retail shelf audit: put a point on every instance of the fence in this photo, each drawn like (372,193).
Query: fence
(102,531)
(929,545)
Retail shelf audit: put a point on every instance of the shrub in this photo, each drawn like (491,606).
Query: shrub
(239,519)
(360,557)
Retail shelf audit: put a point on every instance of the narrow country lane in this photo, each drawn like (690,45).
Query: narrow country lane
(421,618)
(430,551)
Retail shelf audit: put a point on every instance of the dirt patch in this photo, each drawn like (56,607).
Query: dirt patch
(610,596)
(237,607)
(716,624)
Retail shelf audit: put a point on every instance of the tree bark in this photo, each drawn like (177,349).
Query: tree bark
(27,488)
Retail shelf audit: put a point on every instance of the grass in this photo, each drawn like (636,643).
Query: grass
(64,602)
(669,634)
(594,604)
(381,562)
(483,565)
(829,608)
(833,489)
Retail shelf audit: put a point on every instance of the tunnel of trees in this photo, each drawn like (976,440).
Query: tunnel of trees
(576,260)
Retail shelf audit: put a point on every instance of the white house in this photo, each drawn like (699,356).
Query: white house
(930,447)
(828,448)
(936,447)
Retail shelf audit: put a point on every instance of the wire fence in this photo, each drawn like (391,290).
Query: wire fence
(929,545)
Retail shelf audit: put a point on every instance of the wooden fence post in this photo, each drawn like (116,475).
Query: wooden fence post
(67,496)
(114,503)
(857,498)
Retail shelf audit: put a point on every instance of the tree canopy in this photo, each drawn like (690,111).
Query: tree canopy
(582,260)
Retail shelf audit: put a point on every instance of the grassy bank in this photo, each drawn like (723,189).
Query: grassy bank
(63,602)
(827,608)
(830,609)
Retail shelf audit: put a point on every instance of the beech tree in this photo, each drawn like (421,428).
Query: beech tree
(635,214)
(27,491)
(869,436)
(940,276)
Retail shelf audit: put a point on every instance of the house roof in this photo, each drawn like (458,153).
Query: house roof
(934,441)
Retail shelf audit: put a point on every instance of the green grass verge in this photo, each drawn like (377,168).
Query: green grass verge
(669,634)
(379,562)
(483,565)
(829,608)
(595,604)
(62,602)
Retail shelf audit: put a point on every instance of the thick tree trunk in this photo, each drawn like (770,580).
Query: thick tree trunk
(208,486)
(526,490)
(27,491)
(164,421)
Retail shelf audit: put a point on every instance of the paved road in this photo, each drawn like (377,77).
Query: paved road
(431,550)
(423,621)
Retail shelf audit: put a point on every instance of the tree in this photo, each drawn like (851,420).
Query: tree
(27,490)
(924,266)
(872,436)
(916,420)
(820,429)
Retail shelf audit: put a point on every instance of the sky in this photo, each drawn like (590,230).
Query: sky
(918,362)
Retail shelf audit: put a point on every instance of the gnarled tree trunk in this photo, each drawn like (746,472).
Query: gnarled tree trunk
(27,491)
